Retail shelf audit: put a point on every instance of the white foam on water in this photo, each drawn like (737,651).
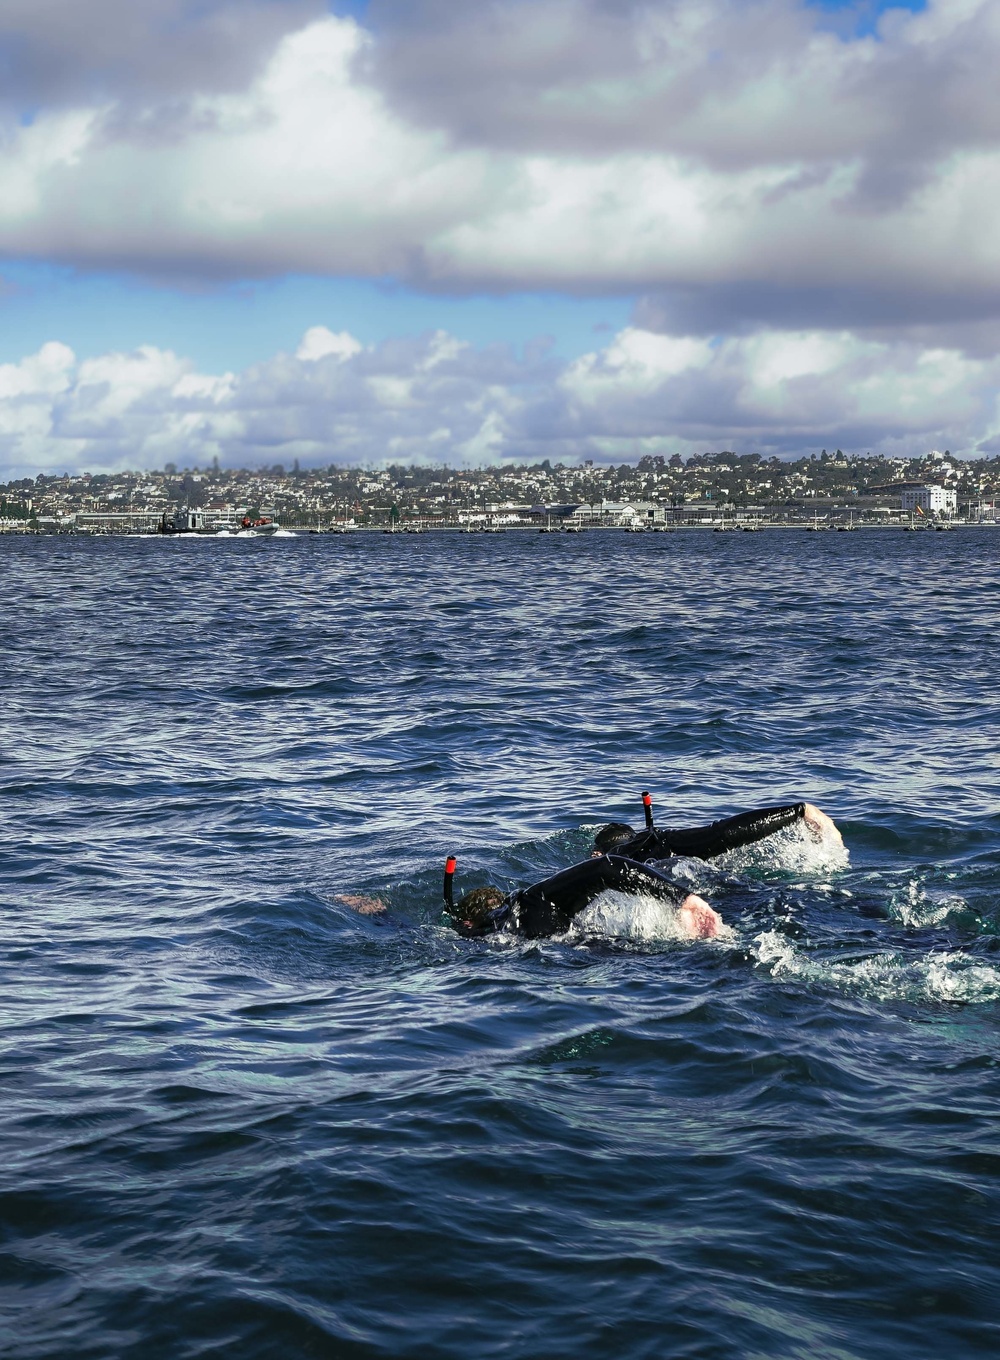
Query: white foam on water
(637,918)
(892,976)
(914,906)
(794,849)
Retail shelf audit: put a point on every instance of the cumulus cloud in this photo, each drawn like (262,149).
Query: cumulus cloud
(806,218)
(319,342)
(304,170)
(434,399)
(733,162)
(785,392)
(728,85)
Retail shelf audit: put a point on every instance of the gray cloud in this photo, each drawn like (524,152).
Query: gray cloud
(59,52)
(963,318)
(731,82)
(733,162)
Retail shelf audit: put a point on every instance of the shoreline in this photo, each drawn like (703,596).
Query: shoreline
(464,531)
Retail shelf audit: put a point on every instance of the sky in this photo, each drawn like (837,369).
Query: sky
(496,230)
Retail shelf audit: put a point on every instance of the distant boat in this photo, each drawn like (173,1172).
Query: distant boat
(193,524)
(182,522)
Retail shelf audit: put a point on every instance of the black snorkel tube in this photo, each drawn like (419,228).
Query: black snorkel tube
(450,865)
(647,807)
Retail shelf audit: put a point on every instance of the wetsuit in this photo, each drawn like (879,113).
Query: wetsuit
(548,907)
(705,842)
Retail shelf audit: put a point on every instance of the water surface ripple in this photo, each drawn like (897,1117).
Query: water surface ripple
(240,1119)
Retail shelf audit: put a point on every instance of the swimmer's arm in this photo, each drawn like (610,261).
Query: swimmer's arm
(628,875)
(748,827)
(730,833)
(548,907)
(563,894)
(698,920)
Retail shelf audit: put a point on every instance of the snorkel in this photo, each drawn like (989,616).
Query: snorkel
(450,865)
(647,807)
(477,913)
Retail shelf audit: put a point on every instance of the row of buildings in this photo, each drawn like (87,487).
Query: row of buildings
(708,489)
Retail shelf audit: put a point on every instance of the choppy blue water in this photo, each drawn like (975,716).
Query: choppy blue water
(237,1118)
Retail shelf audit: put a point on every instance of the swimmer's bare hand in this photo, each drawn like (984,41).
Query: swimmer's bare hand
(699,921)
(362,904)
(822,827)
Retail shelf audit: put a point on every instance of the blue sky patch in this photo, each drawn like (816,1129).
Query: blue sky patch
(231,327)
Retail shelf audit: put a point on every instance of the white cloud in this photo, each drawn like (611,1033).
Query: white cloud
(637,363)
(304,170)
(807,217)
(114,383)
(320,343)
(434,400)
(737,162)
(39,375)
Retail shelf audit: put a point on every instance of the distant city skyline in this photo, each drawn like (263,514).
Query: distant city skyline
(669,491)
(489,232)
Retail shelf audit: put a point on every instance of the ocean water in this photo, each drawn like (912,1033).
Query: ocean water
(240,1119)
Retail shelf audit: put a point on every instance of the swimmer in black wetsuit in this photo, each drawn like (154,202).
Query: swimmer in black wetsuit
(705,842)
(548,907)
(619,862)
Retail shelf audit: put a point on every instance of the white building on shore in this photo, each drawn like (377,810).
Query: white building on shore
(928,497)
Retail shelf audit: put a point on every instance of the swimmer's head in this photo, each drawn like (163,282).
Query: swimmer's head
(475,906)
(611,836)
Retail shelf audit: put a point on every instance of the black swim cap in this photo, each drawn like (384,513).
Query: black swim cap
(615,833)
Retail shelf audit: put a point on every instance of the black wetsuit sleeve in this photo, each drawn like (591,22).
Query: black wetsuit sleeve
(547,908)
(704,842)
